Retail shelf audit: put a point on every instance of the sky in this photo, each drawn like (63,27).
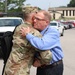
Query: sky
(45,4)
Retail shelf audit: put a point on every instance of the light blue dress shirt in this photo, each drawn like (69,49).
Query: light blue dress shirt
(49,41)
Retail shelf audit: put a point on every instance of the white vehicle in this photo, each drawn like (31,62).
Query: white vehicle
(9,23)
(58,26)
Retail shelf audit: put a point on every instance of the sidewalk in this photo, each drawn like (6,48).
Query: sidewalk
(1,66)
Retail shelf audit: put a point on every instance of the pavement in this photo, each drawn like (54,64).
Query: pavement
(1,66)
(68,45)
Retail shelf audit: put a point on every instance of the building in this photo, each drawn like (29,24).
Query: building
(64,13)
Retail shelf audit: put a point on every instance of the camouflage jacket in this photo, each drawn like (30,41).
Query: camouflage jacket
(21,56)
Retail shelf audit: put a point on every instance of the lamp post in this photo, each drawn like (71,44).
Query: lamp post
(54,13)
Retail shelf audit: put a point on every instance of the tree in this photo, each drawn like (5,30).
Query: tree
(11,4)
(18,3)
(1,6)
(71,4)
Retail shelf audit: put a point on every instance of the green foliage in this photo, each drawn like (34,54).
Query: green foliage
(17,3)
(71,4)
(39,8)
(14,10)
(1,6)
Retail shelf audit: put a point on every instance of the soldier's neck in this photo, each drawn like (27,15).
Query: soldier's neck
(28,22)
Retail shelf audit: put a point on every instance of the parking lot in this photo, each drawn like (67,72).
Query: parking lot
(68,46)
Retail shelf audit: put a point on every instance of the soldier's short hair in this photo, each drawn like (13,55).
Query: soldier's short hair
(29,9)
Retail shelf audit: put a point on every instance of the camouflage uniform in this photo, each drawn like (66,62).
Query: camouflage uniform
(22,54)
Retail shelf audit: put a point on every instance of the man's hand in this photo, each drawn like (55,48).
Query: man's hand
(24,31)
(37,63)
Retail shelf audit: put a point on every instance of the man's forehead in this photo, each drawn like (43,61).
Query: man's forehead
(39,14)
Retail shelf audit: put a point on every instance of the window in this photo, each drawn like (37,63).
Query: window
(70,13)
(10,22)
(53,24)
(73,12)
(63,12)
(66,12)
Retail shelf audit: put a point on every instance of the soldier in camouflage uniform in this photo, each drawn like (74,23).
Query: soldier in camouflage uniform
(22,54)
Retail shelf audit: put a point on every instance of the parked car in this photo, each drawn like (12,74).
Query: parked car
(70,24)
(8,24)
(58,26)
(73,22)
(66,26)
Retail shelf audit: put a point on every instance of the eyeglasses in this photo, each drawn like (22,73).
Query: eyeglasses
(39,19)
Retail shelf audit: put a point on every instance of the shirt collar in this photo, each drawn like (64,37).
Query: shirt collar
(43,31)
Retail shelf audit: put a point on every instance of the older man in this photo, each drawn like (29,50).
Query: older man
(50,40)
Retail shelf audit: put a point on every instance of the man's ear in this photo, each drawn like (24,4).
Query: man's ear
(47,21)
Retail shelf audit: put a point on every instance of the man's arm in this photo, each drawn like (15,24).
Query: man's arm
(48,41)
